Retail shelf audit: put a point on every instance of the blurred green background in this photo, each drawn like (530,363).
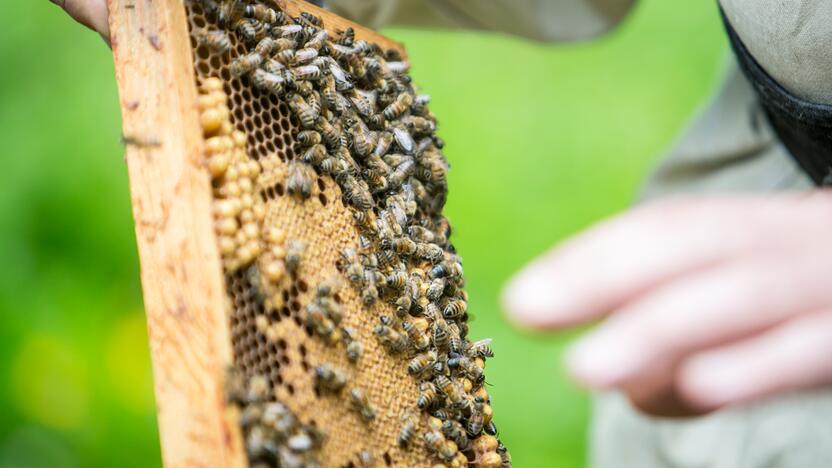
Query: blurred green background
(543,141)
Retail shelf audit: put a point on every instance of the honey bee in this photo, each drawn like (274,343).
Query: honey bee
(343,83)
(315,155)
(361,103)
(365,220)
(264,14)
(454,309)
(446,270)
(278,417)
(456,343)
(216,41)
(347,37)
(308,138)
(310,20)
(427,395)
(420,103)
(402,173)
(444,449)
(417,333)
(362,141)
(245,64)
(362,405)
(304,56)
(410,423)
(451,389)
(299,182)
(431,252)
(481,349)
(331,134)
(317,319)
(400,68)
(351,266)
(333,166)
(329,379)
(396,280)
(403,304)
(441,334)
(266,46)
(274,66)
(304,88)
(286,30)
(354,351)
(341,51)
(317,40)
(306,113)
(250,31)
(421,234)
(356,194)
(258,389)
(270,82)
(394,341)
(468,366)
(420,126)
(475,421)
(306,72)
(256,442)
(404,139)
(505,457)
(294,254)
(285,57)
(436,289)
(456,432)
(399,106)
(230,12)
(421,363)
(383,143)
(369,291)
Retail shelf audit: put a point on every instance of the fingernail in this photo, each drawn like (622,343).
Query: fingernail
(533,298)
(602,360)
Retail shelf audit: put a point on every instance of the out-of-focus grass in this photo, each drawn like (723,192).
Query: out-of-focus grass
(543,140)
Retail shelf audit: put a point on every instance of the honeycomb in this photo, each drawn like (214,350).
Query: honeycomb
(287,351)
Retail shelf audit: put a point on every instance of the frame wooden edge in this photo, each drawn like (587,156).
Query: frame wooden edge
(335,24)
(184,289)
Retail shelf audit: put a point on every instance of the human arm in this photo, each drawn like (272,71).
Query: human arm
(703,302)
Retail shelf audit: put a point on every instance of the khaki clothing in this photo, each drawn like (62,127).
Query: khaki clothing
(543,20)
(730,147)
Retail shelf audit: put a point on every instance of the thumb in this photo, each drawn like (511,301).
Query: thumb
(90,13)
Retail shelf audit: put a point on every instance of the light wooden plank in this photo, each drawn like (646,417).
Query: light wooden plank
(184,290)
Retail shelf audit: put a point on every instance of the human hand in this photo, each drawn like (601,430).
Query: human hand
(90,13)
(705,302)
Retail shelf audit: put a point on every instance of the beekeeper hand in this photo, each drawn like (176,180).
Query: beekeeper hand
(703,303)
(90,13)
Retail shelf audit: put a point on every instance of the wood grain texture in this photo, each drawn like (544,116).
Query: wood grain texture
(184,290)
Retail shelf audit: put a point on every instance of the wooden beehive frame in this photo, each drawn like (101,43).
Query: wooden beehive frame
(181,273)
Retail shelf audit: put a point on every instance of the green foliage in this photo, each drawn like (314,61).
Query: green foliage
(543,140)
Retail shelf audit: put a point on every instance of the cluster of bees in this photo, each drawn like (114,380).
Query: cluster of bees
(363,125)
(273,434)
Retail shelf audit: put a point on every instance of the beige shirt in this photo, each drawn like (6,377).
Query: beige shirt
(730,147)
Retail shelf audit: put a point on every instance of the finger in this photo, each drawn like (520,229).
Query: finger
(619,259)
(91,13)
(655,393)
(701,310)
(797,355)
